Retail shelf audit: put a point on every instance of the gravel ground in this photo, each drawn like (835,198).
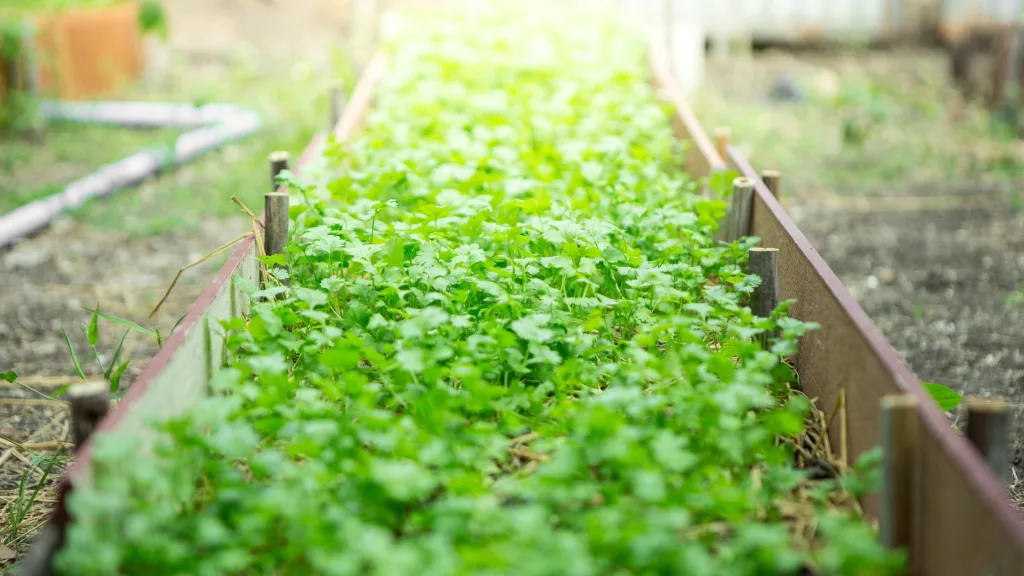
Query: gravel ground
(920,219)
(939,285)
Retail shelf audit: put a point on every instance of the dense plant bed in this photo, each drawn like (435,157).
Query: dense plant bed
(507,343)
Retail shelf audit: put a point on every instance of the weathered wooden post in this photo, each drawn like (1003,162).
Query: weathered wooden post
(722,142)
(337,105)
(90,402)
(737,221)
(988,429)
(275,208)
(900,429)
(766,297)
(773,181)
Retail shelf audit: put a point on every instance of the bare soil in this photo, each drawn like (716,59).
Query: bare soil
(122,252)
(920,220)
(939,285)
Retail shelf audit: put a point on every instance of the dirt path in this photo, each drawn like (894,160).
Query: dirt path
(913,200)
(122,252)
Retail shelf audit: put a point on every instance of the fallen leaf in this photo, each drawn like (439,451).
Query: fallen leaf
(7,553)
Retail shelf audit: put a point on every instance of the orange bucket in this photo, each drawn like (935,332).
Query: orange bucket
(88,52)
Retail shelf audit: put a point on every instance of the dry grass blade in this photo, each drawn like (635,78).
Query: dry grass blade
(35,517)
(33,469)
(247,211)
(524,438)
(530,467)
(813,453)
(193,264)
(7,441)
(51,445)
(256,226)
(6,455)
(48,381)
(527,454)
(33,402)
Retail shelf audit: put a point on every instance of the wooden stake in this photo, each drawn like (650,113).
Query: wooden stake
(766,297)
(773,180)
(722,141)
(278,164)
(275,210)
(899,470)
(740,212)
(275,215)
(988,429)
(90,402)
(337,104)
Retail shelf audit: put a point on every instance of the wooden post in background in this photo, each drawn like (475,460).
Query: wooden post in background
(988,429)
(337,104)
(900,429)
(741,210)
(722,142)
(773,181)
(278,164)
(90,402)
(276,222)
(275,209)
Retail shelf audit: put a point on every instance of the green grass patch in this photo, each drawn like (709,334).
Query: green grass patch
(293,103)
(30,170)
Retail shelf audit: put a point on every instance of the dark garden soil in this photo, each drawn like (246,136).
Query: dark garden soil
(122,252)
(917,211)
(941,286)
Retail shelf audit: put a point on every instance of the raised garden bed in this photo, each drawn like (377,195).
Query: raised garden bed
(572,436)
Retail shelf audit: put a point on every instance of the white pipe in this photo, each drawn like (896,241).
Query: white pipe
(137,114)
(216,125)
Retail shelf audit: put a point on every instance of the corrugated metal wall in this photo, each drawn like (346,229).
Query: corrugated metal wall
(808,20)
(983,10)
(798,20)
(790,19)
(780,19)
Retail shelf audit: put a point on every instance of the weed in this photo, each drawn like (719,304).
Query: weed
(945,398)
(917,312)
(1014,299)
(24,501)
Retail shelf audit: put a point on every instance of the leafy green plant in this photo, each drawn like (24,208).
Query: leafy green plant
(508,344)
(26,497)
(945,397)
(113,370)
(864,107)
(1014,299)
(153,19)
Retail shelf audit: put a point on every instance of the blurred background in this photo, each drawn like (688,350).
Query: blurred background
(895,125)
